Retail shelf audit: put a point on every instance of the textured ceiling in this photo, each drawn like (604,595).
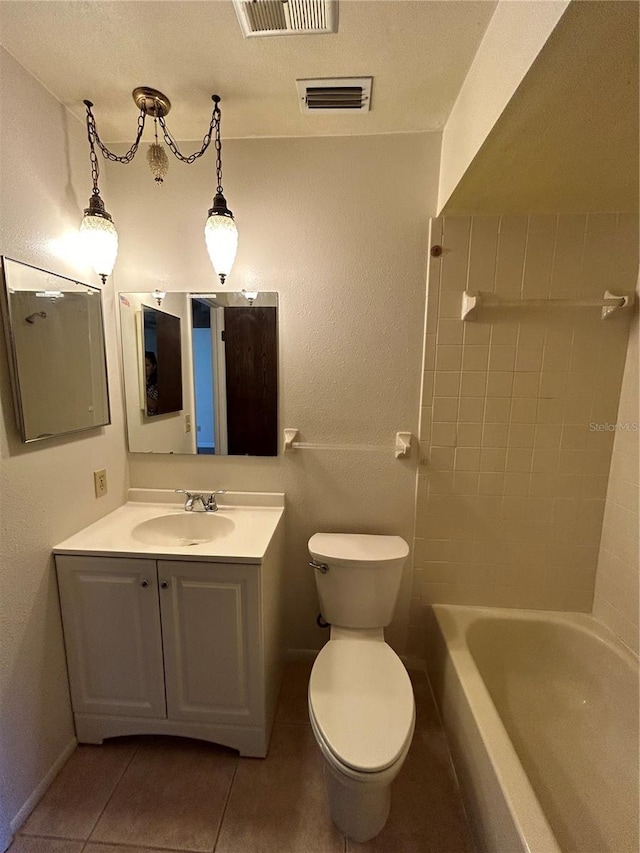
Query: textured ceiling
(418,52)
(568,139)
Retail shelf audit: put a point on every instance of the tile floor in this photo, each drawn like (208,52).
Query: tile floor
(152,794)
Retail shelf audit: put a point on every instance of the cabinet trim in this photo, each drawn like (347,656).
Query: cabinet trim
(250,741)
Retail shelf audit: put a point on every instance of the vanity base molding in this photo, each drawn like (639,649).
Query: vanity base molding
(251,742)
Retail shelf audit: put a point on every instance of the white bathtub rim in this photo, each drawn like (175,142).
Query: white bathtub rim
(527,815)
(521,800)
(583,622)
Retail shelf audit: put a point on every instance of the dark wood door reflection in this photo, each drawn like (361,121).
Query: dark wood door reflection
(252,380)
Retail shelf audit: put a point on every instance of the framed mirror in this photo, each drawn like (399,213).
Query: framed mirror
(55,344)
(224,358)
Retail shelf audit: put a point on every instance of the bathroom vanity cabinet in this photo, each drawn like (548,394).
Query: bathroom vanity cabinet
(173,646)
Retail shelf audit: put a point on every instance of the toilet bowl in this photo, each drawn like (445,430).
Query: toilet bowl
(361,704)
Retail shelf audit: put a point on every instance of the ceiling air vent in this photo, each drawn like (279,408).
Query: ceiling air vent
(286,17)
(335,95)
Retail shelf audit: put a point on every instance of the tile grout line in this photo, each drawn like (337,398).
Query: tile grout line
(28,835)
(110,797)
(226,804)
(131,846)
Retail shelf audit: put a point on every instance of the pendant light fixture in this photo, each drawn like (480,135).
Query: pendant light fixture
(220,229)
(97,229)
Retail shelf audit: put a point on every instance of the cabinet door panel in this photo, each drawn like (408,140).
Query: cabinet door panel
(210,624)
(112,635)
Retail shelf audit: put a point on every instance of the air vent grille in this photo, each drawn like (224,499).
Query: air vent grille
(346,95)
(286,17)
(339,98)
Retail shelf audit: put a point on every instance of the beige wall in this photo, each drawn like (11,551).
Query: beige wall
(515,36)
(338,226)
(513,482)
(616,594)
(46,488)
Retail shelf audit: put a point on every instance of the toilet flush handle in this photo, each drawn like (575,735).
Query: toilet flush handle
(321,567)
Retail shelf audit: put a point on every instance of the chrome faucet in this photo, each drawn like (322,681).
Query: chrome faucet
(207,500)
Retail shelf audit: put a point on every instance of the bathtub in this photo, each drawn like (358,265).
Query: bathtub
(541,713)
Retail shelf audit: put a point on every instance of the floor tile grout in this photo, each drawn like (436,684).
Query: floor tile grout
(84,843)
(226,805)
(113,790)
(49,837)
(144,847)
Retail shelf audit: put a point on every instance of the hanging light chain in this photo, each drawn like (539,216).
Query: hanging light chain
(173,145)
(94,138)
(216,113)
(91,134)
(109,155)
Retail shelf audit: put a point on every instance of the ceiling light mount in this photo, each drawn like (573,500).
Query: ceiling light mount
(151,101)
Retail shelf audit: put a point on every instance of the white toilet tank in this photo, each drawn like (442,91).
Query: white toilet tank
(360,586)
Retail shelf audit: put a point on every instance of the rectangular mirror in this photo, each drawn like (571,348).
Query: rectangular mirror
(55,343)
(201,372)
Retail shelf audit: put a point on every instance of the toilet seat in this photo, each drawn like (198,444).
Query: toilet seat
(350,777)
(361,704)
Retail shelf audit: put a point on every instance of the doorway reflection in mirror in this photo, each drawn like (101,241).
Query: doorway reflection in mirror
(228,357)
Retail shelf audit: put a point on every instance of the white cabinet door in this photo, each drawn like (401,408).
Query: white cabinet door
(211,638)
(112,635)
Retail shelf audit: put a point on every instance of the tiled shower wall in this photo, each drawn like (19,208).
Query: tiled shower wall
(514,469)
(618,577)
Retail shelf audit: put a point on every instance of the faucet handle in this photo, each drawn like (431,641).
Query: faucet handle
(188,497)
(211,503)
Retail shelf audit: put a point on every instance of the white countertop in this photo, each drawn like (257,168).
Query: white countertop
(255,517)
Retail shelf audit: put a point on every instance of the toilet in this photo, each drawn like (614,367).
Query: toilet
(361,704)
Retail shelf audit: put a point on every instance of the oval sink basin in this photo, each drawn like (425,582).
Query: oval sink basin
(190,528)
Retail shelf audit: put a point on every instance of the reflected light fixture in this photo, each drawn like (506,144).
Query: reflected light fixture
(50,294)
(250,296)
(97,229)
(159,295)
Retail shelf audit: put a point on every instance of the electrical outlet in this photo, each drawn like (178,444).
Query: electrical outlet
(187,423)
(100,482)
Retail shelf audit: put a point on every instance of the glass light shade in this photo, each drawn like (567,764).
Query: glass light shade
(100,242)
(221,235)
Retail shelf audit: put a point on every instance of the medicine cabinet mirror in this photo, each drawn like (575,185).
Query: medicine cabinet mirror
(55,345)
(201,372)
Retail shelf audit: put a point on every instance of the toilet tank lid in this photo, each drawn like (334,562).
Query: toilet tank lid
(357,547)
